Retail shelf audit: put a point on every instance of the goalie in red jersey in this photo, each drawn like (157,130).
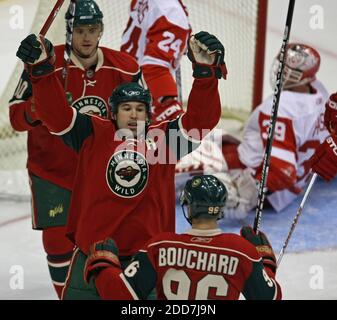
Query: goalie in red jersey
(202,263)
(92,74)
(124,184)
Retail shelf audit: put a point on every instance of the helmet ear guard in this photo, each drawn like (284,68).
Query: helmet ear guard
(205,195)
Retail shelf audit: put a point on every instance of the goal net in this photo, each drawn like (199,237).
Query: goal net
(239,24)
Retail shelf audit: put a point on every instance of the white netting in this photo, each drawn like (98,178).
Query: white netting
(233,21)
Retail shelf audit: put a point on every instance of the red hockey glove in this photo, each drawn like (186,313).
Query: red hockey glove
(169,109)
(262,245)
(324,160)
(38,55)
(207,55)
(281,175)
(330,115)
(102,254)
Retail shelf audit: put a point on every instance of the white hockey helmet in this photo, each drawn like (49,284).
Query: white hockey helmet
(301,65)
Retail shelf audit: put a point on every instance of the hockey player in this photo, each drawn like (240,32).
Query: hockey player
(123,161)
(202,263)
(299,130)
(324,161)
(93,73)
(156,36)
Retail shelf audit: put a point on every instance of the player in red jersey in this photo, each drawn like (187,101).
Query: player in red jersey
(124,162)
(93,73)
(156,36)
(324,160)
(202,263)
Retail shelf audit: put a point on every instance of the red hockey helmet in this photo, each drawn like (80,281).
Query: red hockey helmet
(301,65)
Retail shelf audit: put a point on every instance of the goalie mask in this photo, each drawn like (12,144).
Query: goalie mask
(205,195)
(87,12)
(130,91)
(301,65)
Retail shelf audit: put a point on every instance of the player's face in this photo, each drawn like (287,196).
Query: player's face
(85,40)
(132,115)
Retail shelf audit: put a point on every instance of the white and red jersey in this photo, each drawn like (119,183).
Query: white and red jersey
(156,36)
(195,265)
(299,130)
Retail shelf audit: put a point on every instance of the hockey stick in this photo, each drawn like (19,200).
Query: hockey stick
(298,213)
(68,45)
(51,17)
(273,118)
(179,85)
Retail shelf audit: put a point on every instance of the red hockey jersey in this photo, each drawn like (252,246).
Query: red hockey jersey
(125,188)
(48,157)
(196,265)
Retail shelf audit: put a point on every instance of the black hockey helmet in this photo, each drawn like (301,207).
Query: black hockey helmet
(87,12)
(130,91)
(205,195)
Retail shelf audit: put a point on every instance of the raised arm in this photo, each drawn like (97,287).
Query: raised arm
(50,102)
(204,108)
(203,113)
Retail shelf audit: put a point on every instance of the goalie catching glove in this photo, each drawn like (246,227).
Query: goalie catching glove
(37,53)
(102,254)
(263,247)
(207,55)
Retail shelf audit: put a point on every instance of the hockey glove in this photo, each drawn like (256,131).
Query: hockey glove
(207,55)
(282,175)
(38,55)
(102,254)
(330,115)
(262,245)
(324,160)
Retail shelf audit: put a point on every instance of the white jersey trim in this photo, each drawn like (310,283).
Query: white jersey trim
(15,102)
(127,284)
(198,232)
(60,284)
(182,130)
(120,70)
(275,293)
(151,60)
(204,246)
(59,265)
(283,154)
(66,130)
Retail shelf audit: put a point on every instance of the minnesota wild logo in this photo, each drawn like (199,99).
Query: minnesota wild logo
(91,105)
(127,173)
